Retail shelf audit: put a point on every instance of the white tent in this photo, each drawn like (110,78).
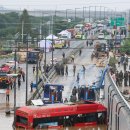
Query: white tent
(46,43)
(51,36)
(65,33)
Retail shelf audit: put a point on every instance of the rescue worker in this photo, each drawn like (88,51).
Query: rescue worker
(80,52)
(72,58)
(74,91)
(87,43)
(125,78)
(78,78)
(129,77)
(31,86)
(63,54)
(33,69)
(74,69)
(66,70)
(121,77)
(19,83)
(66,100)
(23,76)
(7,95)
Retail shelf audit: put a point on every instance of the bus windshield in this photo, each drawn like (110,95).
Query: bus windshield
(22,120)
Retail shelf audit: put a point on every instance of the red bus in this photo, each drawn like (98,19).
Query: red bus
(85,113)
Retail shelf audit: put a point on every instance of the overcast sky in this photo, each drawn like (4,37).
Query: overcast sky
(64,4)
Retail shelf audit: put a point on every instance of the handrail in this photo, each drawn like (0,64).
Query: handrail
(119,92)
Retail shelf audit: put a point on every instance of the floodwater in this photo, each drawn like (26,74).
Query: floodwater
(99,127)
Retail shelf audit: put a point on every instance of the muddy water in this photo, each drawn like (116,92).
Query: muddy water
(99,127)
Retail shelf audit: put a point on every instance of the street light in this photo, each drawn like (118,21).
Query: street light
(67,13)
(76,12)
(83,13)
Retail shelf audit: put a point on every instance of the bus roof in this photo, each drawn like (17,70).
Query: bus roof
(52,110)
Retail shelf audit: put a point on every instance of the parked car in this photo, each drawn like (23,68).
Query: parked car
(11,64)
(101,36)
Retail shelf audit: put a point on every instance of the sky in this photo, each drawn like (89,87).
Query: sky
(118,5)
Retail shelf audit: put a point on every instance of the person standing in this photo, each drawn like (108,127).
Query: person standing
(33,69)
(63,54)
(129,77)
(80,52)
(23,76)
(117,79)
(74,91)
(7,95)
(125,78)
(87,43)
(78,78)
(72,58)
(66,70)
(74,69)
(121,77)
(19,83)
(125,64)
(31,86)
(84,69)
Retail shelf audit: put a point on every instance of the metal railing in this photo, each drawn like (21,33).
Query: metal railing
(118,107)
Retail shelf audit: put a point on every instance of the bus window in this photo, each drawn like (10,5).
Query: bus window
(82,118)
(22,120)
(45,122)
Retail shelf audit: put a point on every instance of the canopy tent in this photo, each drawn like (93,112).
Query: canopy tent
(51,36)
(46,43)
(65,33)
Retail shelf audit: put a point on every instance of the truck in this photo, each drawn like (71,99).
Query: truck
(33,56)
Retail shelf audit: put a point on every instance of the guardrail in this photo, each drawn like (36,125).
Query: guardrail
(51,74)
(118,107)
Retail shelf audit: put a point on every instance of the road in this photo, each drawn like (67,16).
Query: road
(92,73)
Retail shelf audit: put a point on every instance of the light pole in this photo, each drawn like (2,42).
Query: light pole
(83,13)
(100,12)
(28,38)
(89,13)
(52,39)
(67,13)
(76,12)
(95,13)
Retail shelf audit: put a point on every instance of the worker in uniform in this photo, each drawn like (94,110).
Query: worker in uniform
(74,69)
(66,70)
(125,78)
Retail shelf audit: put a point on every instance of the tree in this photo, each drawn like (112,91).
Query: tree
(25,24)
(125,48)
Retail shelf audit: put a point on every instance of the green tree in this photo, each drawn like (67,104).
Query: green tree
(125,48)
(25,24)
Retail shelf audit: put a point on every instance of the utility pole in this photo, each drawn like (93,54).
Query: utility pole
(104,13)
(129,24)
(22,30)
(95,13)
(15,90)
(100,12)
(27,71)
(52,39)
(89,13)
(83,13)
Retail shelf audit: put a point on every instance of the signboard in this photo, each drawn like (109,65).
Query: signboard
(119,21)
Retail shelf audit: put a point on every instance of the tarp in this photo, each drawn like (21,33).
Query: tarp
(51,36)
(48,45)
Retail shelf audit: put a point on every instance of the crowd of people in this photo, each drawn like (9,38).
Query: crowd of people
(15,81)
(122,77)
(82,93)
